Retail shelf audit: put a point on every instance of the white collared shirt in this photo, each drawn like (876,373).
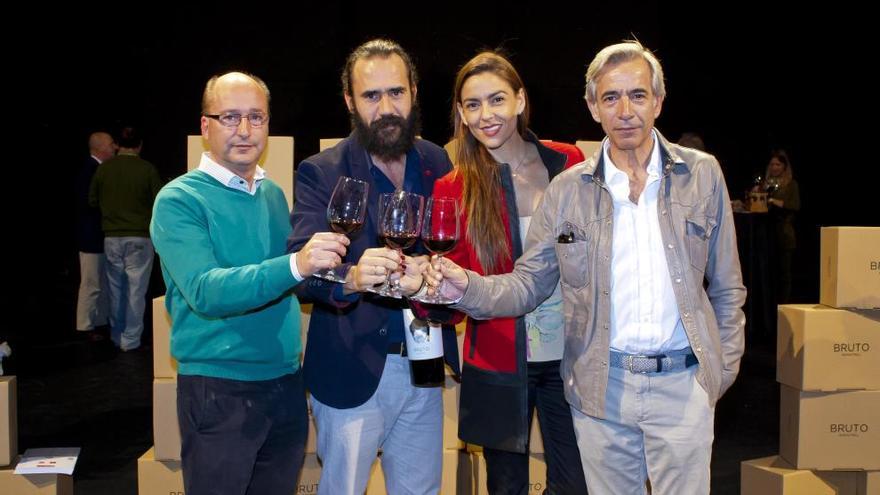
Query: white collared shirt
(644,312)
(228,178)
(225,176)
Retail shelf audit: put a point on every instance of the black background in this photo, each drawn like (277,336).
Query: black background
(747,77)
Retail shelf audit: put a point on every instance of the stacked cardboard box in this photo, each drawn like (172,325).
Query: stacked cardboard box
(34,484)
(8,421)
(21,484)
(829,371)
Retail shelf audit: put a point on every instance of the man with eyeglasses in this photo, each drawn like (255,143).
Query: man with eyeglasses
(221,232)
(355,365)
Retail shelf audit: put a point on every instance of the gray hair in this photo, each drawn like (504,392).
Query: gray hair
(619,53)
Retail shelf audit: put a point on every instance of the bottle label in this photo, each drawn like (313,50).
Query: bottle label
(423,341)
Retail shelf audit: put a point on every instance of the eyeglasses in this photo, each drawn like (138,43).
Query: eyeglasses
(255,119)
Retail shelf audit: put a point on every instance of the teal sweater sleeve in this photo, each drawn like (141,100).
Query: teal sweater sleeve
(182,236)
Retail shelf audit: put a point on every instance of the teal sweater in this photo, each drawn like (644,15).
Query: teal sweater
(228,277)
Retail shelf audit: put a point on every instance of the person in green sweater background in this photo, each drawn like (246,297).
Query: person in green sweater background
(124,188)
(221,233)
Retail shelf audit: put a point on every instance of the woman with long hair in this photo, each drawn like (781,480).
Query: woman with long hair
(784,200)
(511,365)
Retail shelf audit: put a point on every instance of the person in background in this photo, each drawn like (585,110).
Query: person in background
(692,140)
(124,188)
(784,201)
(92,303)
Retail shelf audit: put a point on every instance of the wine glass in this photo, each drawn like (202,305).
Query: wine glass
(400,215)
(440,232)
(345,214)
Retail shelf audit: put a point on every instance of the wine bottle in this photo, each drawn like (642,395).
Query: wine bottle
(424,347)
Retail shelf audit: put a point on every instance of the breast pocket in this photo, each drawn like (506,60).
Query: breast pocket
(574,266)
(699,231)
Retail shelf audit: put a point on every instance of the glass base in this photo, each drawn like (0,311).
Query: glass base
(387,290)
(331,275)
(435,299)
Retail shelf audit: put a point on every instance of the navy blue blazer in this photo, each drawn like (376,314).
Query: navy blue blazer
(348,341)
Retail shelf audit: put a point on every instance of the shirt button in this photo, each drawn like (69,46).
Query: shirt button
(663,212)
(382,331)
(678,280)
(605,326)
(687,315)
(669,246)
(605,292)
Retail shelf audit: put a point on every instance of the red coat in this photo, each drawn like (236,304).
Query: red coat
(494,395)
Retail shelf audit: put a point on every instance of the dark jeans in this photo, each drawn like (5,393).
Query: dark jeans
(507,473)
(241,438)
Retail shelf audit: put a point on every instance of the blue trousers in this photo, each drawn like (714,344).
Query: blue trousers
(507,473)
(241,438)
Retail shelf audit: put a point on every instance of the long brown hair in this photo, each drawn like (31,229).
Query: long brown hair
(787,174)
(479,171)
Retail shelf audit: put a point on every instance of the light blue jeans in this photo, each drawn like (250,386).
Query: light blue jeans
(406,422)
(658,426)
(129,263)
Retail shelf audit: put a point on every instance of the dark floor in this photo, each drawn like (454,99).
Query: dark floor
(78,393)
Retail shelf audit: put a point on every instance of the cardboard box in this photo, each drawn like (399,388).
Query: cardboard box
(164,366)
(537,474)
(309,476)
(827,431)
(536,441)
(849,274)
(456,477)
(34,484)
(312,438)
(159,477)
(166,429)
(819,348)
(8,421)
(451,391)
(870,483)
(773,476)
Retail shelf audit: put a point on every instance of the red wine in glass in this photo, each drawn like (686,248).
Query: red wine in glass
(345,214)
(440,232)
(400,217)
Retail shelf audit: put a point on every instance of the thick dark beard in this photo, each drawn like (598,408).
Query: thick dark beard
(372,139)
